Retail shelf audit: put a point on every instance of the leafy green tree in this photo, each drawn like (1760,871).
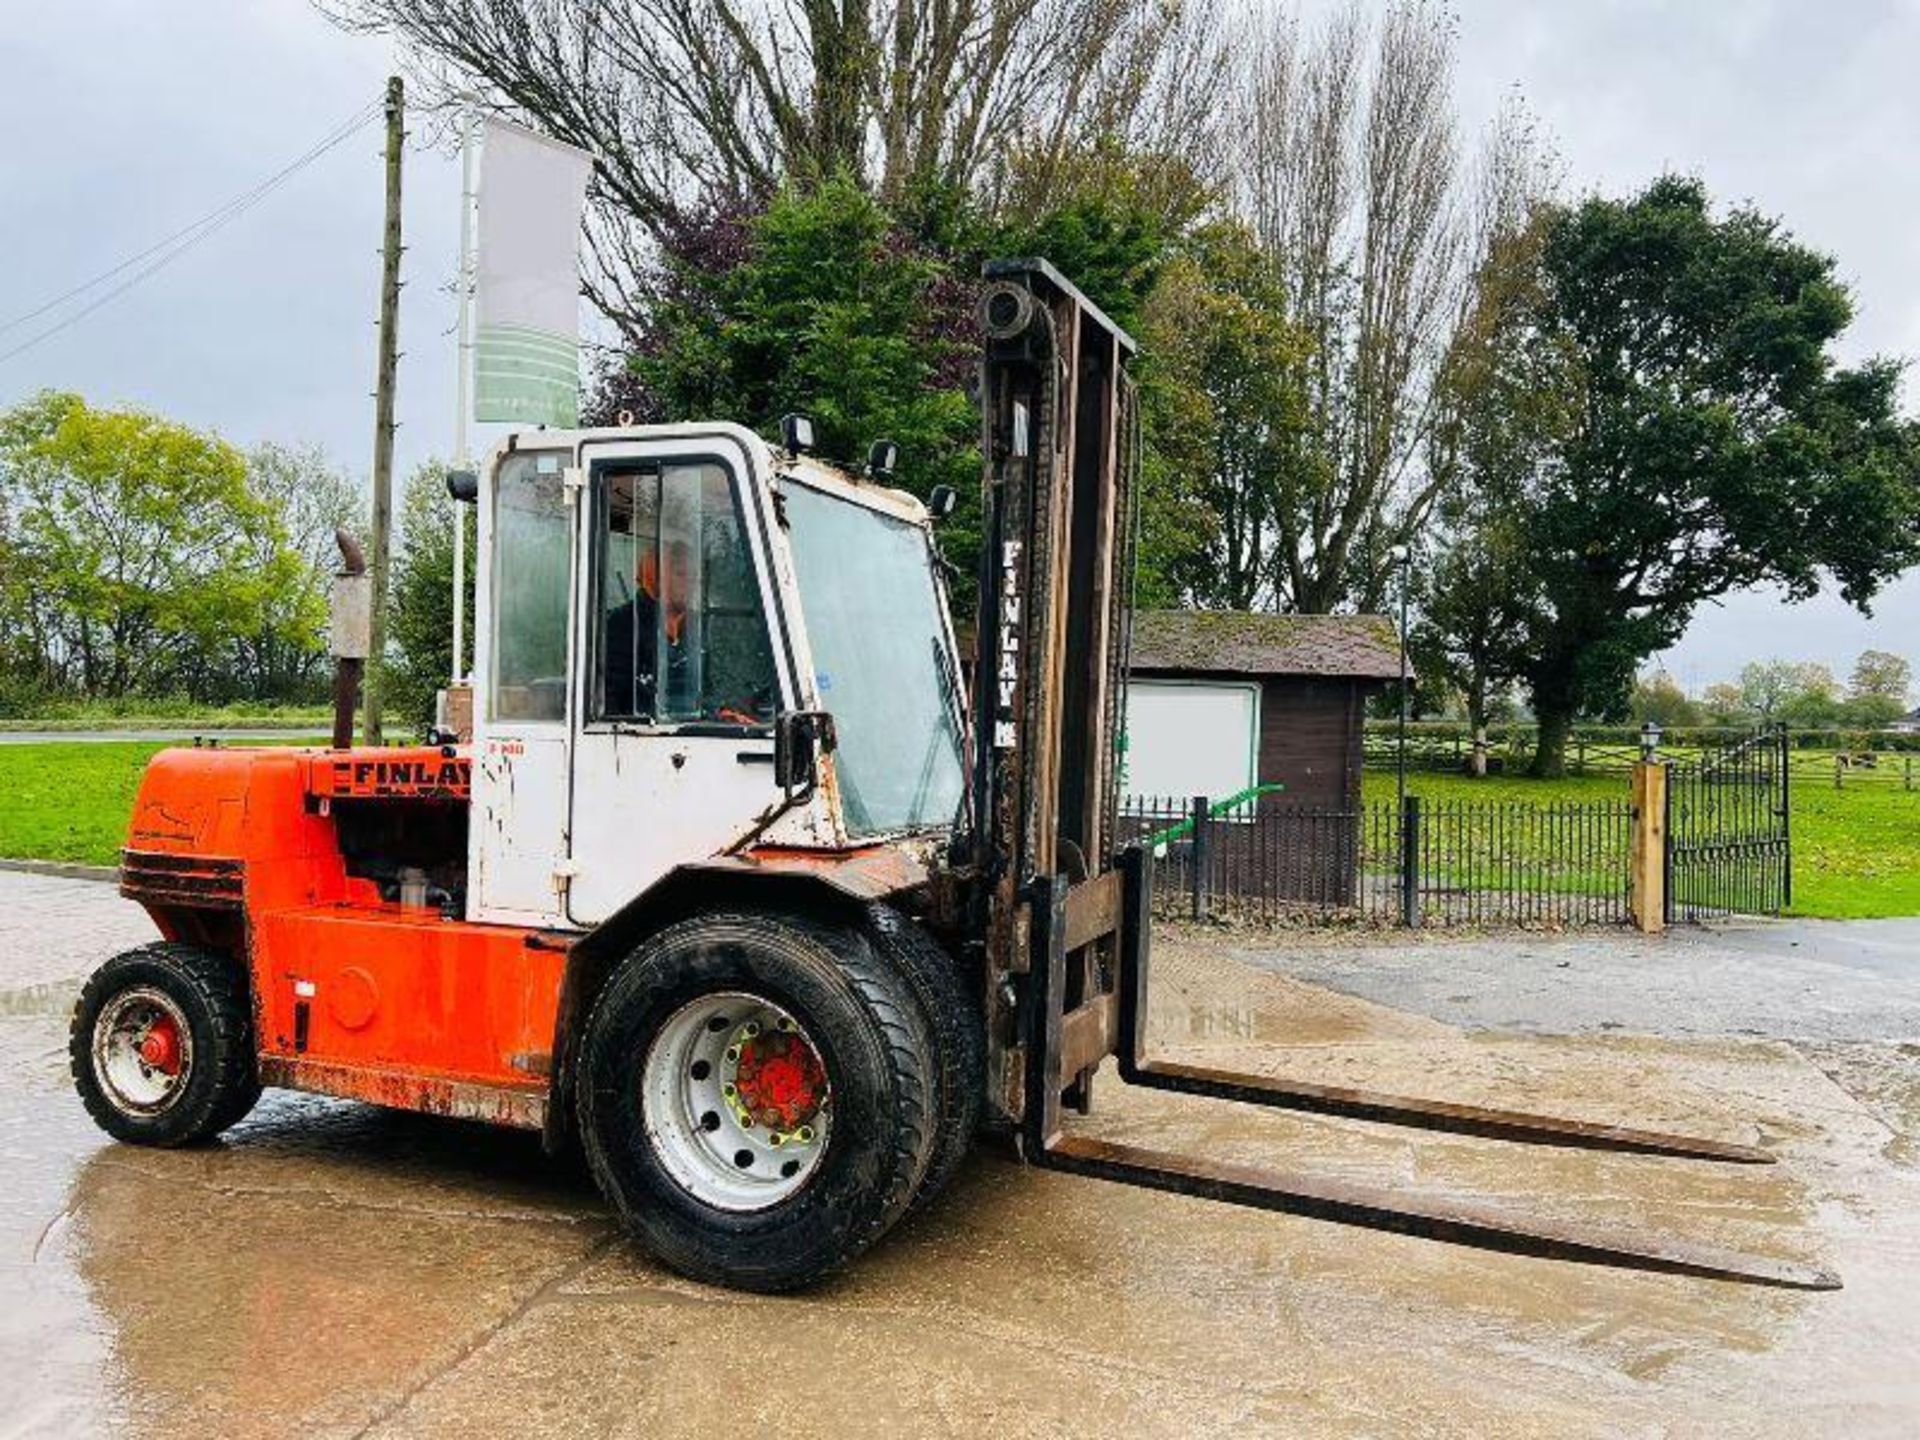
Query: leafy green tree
(1801,694)
(287,657)
(137,552)
(1224,402)
(1724,704)
(833,304)
(1880,689)
(1501,402)
(420,600)
(1475,612)
(1658,697)
(1715,444)
(820,304)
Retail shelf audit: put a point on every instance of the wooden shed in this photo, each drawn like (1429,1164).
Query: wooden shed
(1221,700)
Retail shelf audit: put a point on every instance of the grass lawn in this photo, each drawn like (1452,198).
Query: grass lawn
(71,801)
(1856,852)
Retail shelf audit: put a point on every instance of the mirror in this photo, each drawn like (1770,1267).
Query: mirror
(463,485)
(795,760)
(941,502)
(800,737)
(796,434)
(883,458)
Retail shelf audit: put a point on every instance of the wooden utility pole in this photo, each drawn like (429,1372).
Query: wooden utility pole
(383,411)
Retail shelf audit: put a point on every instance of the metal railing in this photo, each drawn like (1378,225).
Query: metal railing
(1450,862)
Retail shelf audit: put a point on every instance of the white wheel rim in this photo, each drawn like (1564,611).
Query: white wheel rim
(698,1114)
(132,1080)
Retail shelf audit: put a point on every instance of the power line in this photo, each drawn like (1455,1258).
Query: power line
(333,137)
(178,243)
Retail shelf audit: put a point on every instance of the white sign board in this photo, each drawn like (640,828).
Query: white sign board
(1186,739)
(527,288)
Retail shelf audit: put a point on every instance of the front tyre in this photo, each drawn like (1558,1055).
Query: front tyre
(161,1046)
(757,1098)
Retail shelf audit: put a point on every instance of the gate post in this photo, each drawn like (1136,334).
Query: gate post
(1200,837)
(1410,862)
(1648,865)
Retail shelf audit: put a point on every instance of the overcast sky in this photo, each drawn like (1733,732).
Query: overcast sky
(126,120)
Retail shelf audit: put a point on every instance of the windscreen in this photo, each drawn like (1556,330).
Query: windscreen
(880,659)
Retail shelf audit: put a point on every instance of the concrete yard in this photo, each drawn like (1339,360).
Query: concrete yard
(331,1269)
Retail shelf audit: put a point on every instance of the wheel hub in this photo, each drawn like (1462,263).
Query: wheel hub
(160,1048)
(777,1080)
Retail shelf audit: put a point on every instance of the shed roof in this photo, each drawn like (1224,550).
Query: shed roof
(1234,642)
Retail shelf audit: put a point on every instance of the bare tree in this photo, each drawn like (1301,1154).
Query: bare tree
(1350,170)
(690,104)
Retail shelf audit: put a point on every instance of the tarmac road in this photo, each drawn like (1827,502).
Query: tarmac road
(331,1269)
(1795,979)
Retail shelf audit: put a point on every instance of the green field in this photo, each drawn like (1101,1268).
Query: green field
(1856,851)
(70,801)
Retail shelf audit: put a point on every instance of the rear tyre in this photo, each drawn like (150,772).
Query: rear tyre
(757,1098)
(161,1046)
(953,1014)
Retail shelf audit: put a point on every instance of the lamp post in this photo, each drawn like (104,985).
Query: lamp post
(1402,557)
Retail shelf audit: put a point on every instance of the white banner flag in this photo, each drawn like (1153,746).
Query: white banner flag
(527,362)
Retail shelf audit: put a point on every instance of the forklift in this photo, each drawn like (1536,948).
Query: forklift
(737,884)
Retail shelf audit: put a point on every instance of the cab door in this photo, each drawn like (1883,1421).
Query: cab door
(517,834)
(684,663)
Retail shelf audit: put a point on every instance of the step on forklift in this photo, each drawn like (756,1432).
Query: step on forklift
(737,883)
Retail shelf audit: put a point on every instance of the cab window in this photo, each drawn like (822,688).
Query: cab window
(680,633)
(531,545)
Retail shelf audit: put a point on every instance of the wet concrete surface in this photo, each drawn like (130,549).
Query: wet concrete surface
(331,1269)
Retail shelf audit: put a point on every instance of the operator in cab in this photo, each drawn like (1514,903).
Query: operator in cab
(663,666)
(634,631)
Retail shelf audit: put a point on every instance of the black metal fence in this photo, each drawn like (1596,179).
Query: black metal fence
(1452,862)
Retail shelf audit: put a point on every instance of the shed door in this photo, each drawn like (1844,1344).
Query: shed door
(1187,738)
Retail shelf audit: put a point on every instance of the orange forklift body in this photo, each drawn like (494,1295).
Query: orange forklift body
(356,994)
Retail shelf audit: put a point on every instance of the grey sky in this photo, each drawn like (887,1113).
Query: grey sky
(127,119)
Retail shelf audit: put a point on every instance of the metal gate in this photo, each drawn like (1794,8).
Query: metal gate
(1729,836)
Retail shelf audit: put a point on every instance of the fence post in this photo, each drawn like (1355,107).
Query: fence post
(1649,854)
(1410,862)
(1200,837)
